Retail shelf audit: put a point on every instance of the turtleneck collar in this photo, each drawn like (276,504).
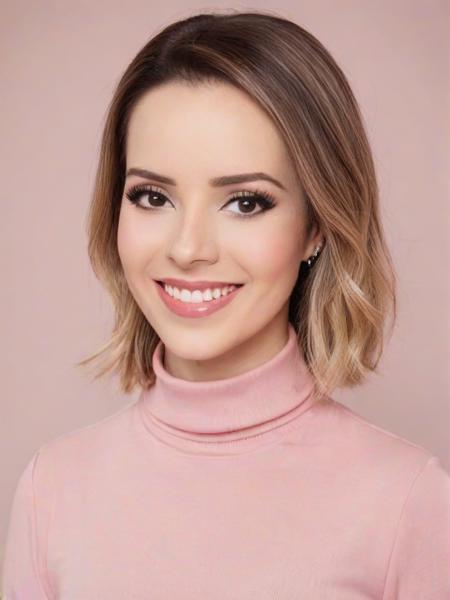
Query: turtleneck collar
(228,415)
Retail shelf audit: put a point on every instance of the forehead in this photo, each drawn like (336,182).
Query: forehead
(186,130)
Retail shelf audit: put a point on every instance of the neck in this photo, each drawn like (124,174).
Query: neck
(232,415)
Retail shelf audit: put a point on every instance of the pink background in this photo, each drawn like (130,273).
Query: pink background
(60,63)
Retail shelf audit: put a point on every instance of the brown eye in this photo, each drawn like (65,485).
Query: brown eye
(156,199)
(248,200)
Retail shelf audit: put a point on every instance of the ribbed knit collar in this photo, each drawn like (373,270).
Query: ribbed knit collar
(228,415)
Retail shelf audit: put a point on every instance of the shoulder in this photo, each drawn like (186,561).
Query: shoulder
(347,425)
(82,448)
(371,455)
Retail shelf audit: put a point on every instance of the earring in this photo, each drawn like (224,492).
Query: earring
(311,260)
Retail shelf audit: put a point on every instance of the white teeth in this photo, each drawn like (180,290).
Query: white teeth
(198,295)
(187,296)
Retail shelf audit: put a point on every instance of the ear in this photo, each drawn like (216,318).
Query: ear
(315,239)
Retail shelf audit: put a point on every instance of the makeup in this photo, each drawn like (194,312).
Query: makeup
(195,309)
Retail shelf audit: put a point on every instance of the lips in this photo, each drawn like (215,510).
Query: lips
(195,309)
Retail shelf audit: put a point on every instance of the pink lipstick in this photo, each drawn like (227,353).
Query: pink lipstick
(195,309)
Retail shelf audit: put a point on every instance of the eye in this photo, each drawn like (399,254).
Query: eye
(246,199)
(155,196)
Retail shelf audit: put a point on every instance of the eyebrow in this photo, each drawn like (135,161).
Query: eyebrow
(215,182)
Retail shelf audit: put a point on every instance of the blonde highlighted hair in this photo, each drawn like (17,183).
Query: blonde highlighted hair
(340,306)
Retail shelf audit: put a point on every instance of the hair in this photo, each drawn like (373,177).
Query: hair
(339,307)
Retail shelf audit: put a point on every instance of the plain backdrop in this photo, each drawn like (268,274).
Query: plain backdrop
(60,62)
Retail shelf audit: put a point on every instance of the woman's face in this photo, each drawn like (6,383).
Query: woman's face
(189,229)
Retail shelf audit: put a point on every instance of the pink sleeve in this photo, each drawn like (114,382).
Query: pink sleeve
(21,580)
(419,566)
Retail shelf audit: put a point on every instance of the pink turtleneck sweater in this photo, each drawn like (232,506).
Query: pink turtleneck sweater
(236,489)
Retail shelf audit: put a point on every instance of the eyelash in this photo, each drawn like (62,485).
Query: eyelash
(263,198)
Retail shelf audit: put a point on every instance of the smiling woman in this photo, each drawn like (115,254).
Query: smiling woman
(240,158)
(213,223)
(235,223)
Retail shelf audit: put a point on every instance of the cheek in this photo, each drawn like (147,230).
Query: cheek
(274,256)
(134,241)
(125,243)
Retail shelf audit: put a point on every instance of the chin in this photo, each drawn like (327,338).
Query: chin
(196,344)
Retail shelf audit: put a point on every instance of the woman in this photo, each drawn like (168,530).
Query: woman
(235,222)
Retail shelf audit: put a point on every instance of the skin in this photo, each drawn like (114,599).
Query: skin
(193,134)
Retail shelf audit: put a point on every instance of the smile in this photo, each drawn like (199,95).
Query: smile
(197,303)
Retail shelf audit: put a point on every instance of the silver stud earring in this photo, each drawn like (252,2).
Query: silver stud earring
(314,256)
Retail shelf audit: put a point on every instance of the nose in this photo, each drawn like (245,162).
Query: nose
(193,239)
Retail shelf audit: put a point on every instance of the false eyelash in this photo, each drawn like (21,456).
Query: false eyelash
(265,199)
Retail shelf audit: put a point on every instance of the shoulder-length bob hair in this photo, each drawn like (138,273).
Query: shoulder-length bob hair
(339,307)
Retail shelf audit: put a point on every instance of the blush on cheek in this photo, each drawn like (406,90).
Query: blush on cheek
(136,242)
(273,258)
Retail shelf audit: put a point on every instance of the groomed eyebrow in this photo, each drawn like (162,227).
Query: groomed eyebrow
(215,182)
